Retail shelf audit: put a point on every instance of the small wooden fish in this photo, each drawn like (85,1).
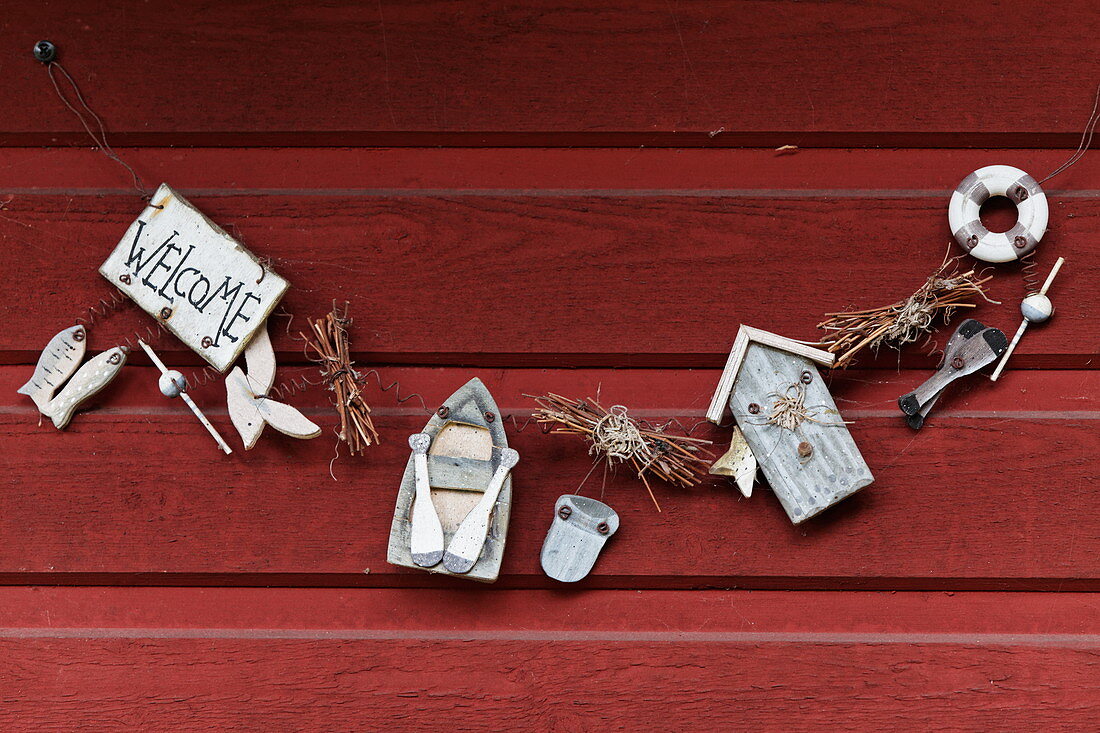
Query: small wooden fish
(88,381)
(60,358)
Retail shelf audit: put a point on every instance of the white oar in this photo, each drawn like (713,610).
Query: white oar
(426,541)
(465,547)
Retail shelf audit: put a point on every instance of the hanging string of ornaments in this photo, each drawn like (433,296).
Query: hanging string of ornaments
(454,501)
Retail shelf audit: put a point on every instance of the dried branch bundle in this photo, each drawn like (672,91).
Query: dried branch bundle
(618,438)
(328,338)
(907,320)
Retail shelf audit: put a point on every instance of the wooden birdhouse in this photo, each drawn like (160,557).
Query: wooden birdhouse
(790,422)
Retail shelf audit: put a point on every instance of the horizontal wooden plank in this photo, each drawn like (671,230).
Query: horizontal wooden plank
(557,72)
(645,277)
(996,492)
(834,173)
(245,658)
(483,612)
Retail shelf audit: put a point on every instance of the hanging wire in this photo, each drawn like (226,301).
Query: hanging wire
(100,140)
(1086,139)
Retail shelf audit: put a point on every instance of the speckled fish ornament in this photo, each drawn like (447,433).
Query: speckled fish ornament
(58,361)
(88,380)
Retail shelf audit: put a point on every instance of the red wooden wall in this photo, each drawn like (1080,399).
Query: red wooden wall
(555,196)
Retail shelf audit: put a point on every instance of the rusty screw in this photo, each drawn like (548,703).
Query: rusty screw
(1020,242)
(124,278)
(490,416)
(972,241)
(1021,193)
(754,409)
(806,377)
(207,342)
(443,411)
(805,449)
(957,363)
(165,313)
(78,336)
(564,512)
(602,528)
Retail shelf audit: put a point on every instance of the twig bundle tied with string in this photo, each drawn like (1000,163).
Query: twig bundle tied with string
(907,320)
(618,438)
(329,340)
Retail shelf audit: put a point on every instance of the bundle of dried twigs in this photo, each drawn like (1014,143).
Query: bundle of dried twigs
(328,338)
(618,438)
(907,320)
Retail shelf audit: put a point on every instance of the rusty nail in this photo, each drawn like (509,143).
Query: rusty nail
(754,409)
(78,336)
(602,528)
(972,240)
(1020,242)
(564,512)
(165,313)
(443,411)
(490,416)
(958,363)
(807,377)
(125,278)
(1021,193)
(805,449)
(207,342)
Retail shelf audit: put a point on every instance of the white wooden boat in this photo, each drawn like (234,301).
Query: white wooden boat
(465,448)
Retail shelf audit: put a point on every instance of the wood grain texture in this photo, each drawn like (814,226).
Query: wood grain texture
(242,684)
(297,658)
(280,517)
(558,72)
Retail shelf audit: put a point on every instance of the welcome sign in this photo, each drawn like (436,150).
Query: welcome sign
(194,278)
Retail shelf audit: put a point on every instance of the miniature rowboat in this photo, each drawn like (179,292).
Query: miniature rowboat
(463,461)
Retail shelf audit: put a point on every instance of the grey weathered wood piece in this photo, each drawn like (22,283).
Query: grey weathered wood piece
(468,405)
(805,486)
(574,539)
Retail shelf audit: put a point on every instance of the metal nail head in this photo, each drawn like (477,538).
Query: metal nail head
(443,411)
(754,409)
(165,313)
(564,512)
(806,377)
(957,363)
(805,449)
(45,51)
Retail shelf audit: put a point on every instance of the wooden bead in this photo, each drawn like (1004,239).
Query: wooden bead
(1036,308)
(172,383)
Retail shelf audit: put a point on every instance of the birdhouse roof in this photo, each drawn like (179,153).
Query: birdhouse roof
(746,336)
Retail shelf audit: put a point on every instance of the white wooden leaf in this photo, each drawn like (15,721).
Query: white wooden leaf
(259,357)
(242,408)
(286,419)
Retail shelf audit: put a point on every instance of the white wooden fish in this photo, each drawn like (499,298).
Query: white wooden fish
(58,361)
(88,380)
(250,408)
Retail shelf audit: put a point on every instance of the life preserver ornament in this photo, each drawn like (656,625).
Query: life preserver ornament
(998,180)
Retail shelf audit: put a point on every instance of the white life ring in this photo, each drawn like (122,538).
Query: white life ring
(998,180)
